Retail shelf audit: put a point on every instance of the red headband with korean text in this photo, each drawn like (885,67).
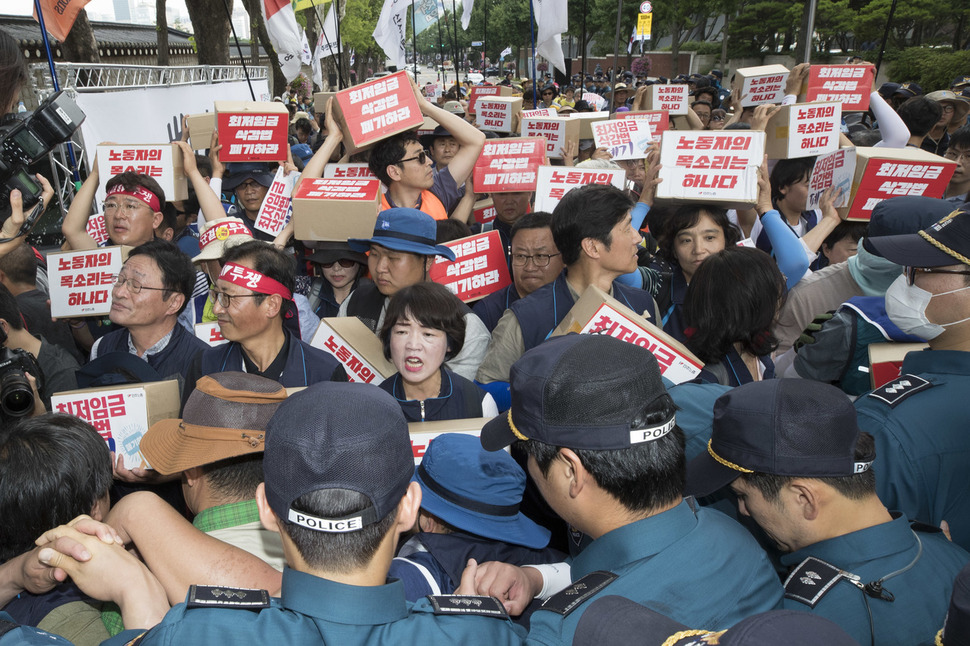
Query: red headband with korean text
(139,193)
(252,279)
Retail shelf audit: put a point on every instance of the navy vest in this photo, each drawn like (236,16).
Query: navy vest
(673,316)
(175,359)
(305,364)
(457,399)
(366,304)
(491,308)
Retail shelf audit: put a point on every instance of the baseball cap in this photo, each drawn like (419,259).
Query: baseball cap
(946,242)
(909,90)
(404,229)
(580,391)
(218,235)
(239,172)
(956,628)
(476,491)
(330,252)
(784,427)
(886,90)
(905,214)
(617,620)
(337,435)
(454,107)
(225,417)
(960,82)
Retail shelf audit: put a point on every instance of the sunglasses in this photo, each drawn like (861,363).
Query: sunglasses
(344,262)
(422,157)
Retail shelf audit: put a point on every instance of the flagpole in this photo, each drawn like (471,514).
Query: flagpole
(485,38)
(323,32)
(414,42)
(441,54)
(616,46)
(532,35)
(454,42)
(340,48)
(225,3)
(583,76)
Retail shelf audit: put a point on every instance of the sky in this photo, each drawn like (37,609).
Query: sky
(26,7)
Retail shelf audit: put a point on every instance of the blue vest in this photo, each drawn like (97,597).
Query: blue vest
(175,359)
(458,398)
(304,365)
(673,317)
(491,308)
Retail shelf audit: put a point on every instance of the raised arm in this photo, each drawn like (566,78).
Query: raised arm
(74,226)
(468,136)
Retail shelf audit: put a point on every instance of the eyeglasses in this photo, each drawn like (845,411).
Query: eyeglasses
(225,300)
(134,286)
(947,107)
(911,272)
(344,262)
(539,259)
(717,118)
(956,155)
(422,157)
(128,208)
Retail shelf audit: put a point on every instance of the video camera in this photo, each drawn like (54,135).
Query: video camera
(16,395)
(26,141)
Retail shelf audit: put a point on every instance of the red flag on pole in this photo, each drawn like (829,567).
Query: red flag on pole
(59,15)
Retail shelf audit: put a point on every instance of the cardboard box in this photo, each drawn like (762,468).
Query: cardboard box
(81,281)
(834,169)
(598,313)
(671,98)
(762,84)
(357,348)
(378,109)
(422,433)
(555,181)
(886,360)
(538,113)
(803,130)
(586,119)
(201,127)
(211,333)
(497,113)
(336,209)
(484,211)
(882,173)
(556,130)
(122,414)
(658,119)
(849,85)
(479,268)
(97,228)
(348,171)
(320,101)
(486,91)
(623,138)
(509,165)
(714,167)
(161,162)
(252,130)
(427,127)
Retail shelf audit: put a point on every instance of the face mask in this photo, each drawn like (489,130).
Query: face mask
(906,307)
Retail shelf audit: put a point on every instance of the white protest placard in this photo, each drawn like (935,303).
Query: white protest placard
(348,171)
(595,100)
(277,206)
(556,131)
(422,433)
(539,113)
(623,138)
(355,347)
(762,84)
(803,130)
(119,415)
(719,167)
(81,281)
(555,181)
(97,229)
(496,113)
(671,98)
(161,162)
(835,169)
(211,333)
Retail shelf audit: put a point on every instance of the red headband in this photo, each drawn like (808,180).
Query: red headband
(139,193)
(222,231)
(252,279)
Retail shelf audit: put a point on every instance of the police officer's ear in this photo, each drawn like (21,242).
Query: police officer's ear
(267,516)
(569,468)
(808,496)
(408,509)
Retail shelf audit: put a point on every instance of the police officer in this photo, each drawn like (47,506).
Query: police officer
(604,450)
(792,453)
(919,419)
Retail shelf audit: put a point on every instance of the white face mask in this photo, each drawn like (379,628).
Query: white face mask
(906,307)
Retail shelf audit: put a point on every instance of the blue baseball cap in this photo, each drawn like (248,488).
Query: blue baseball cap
(404,229)
(239,172)
(477,491)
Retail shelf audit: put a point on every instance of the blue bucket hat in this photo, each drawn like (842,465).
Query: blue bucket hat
(477,491)
(404,229)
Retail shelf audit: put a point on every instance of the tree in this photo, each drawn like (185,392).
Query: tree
(210,22)
(80,45)
(161,28)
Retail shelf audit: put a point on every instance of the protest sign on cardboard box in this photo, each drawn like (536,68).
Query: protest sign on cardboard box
(497,113)
(97,229)
(378,109)
(336,209)
(277,206)
(484,211)
(670,98)
(122,414)
(882,173)
(427,127)
(252,130)
(762,84)
(509,165)
(486,91)
(850,85)
(886,361)
(211,333)
(320,101)
(586,121)
(161,162)
(479,268)
(538,113)
(623,138)
(556,181)
(834,169)
(81,281)
(348,171)
(556,130)
(658,119)
(716,167)
(803,130)
(201,126)
(598,313)
(357,348)
(422,433)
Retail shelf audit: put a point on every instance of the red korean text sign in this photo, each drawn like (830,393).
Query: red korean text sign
(251,136)
(507,165)
(479,268)
(480,91)
(485,214)
(887,178)
(378,109)
(849,85)
(81,281)
(363,190)
(658,119)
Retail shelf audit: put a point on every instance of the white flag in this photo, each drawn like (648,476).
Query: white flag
(552,21)
(466,14)
(506,52)
(285,34)
(326,45)
(390,34)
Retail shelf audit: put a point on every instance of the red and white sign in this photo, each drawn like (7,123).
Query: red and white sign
(886,178)
(835,169)
(804,130)
(381,108)
(623,138)
(556,131)
(670,98)
(722,166)
(363,190)
(246,134)
(495,114)
(97,229)
(484,214)
(479,268)
(539,113)
(210,333)
(481,92)
(346,346)
(81,281)
(595,100)
(850,85)
(277,207)
(155,160)
(658,119)
(555,181)
(120,417)
(509,165)
(347,171)
(763,84)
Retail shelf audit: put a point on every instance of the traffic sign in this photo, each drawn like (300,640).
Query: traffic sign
(644,26)
(476,43)
(646,7)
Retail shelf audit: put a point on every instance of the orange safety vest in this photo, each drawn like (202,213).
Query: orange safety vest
(430,204)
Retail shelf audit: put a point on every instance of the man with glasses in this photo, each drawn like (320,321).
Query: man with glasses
(954,114)
(958,190)
(920,419)
(404,166)
(132,210)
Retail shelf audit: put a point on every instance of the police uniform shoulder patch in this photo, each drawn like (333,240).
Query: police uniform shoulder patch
(899,389)
(811,581)
(215,596)
(570,598)
(466,604)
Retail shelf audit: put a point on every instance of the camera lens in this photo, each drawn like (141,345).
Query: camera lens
(16,396)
